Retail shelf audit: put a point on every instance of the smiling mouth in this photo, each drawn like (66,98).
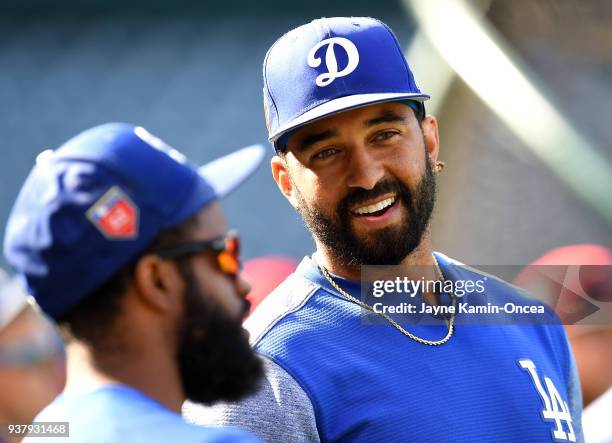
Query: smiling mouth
(375,209)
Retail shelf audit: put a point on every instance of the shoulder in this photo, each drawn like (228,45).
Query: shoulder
(124,414)
(290,296)
(495,287)
(171,427)
(280,410)
(176,429)
(204,434)
(545,330)
(299,323)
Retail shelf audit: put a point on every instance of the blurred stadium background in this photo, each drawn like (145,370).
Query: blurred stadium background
(515,185)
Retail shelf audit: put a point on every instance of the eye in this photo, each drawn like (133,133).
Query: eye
(385,135)
(325,153)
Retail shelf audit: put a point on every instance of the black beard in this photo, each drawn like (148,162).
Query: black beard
(387,246)
(216,362)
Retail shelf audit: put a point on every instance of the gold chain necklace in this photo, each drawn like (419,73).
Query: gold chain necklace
(451,321)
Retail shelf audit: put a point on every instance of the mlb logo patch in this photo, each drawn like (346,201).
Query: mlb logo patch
(115,215)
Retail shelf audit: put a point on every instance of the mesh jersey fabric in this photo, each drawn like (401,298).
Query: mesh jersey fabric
(372,383)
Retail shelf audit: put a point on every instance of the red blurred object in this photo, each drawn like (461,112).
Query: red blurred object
(594,277)
(591,343)
(265,274)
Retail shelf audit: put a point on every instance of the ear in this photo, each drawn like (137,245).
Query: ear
(281,177)
(431,137)
(158,283)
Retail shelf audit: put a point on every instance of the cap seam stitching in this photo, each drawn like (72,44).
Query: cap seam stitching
(266,83)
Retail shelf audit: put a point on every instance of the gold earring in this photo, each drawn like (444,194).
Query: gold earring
(439,166)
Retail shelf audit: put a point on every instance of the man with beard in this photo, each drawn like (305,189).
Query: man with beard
(357,158)
(123,243)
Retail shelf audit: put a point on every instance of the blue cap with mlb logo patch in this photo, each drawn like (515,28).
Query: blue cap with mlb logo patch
(332,65)
(89,207)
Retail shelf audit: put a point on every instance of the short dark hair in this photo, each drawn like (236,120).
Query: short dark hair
(93,320)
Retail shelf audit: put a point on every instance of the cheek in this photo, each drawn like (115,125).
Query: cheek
(217,286)
(308,183)
(320,187)
(322,191)
(408,165)
(226,296)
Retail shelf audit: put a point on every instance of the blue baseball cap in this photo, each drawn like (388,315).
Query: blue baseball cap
(332,65)
(91,206)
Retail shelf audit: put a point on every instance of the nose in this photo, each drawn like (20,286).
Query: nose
(364,170)
(243,287)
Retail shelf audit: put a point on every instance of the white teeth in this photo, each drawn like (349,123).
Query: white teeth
(375,207)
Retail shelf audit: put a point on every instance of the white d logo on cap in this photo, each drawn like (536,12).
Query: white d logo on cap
(330,59)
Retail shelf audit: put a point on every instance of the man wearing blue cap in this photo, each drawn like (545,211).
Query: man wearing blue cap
(358,157)
(123,243)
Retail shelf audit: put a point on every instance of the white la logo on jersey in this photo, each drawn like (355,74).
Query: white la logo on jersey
(555,409)
(330,59)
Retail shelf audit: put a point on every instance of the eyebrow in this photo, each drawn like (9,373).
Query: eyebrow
(385,117)
(311,139)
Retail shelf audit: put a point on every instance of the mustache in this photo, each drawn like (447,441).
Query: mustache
(360,195)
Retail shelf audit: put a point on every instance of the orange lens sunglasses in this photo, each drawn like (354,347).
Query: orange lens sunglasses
(226,247)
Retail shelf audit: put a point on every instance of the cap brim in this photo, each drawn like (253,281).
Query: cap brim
(344,104)
(226,173)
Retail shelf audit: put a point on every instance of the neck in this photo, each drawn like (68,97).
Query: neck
(421,255)
(146,370)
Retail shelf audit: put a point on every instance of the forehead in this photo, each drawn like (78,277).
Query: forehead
(354,118)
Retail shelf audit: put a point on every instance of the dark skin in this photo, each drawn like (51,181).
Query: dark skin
(357,149)
(147,331)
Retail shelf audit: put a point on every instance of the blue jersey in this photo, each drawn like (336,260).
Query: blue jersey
(119,413)
(372,383)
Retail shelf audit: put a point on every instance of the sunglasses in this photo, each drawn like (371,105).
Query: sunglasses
(226,248)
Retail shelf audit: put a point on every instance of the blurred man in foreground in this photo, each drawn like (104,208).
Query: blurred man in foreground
(32,366)
(357,157)
(123,243)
